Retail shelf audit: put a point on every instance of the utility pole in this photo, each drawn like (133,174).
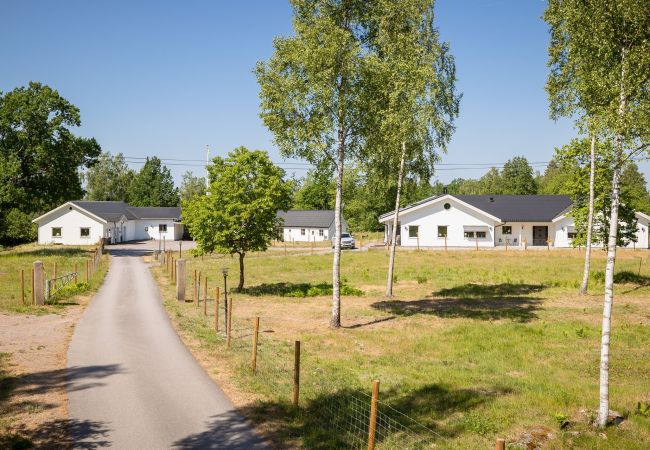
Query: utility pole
(207,163)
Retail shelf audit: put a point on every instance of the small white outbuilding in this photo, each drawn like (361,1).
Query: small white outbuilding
(308,225)
(86,222)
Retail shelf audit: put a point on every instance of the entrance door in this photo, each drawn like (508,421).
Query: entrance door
(540,235)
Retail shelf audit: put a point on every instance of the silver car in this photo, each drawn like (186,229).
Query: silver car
(347,241)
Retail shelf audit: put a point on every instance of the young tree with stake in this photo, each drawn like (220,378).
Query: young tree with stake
(240,214)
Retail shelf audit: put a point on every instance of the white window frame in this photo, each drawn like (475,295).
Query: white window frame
(321,232)
(302,232)
(417,231)
(469,234)
(160,228)
(480,237)
(503,230)
(446,227)
(81,232)
(60,235)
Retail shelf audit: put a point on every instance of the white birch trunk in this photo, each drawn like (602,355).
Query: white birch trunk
(393,238)
(590,218)
(335,321)
(603,410)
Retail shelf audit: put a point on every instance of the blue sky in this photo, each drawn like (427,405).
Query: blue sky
(168,78)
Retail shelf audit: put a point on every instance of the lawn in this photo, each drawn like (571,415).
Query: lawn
(19,258)
(475,345)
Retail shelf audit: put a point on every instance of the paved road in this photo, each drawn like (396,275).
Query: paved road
(132,384)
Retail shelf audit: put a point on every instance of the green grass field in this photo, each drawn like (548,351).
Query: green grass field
(474,346)
(14,260)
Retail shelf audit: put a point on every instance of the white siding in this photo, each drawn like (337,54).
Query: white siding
(458,218)
(70,220)
(311,234)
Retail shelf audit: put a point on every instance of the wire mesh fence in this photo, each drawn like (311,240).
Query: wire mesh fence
(340,417)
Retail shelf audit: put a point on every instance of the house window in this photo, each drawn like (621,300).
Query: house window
(321,232)
(146,228)
(413,231)
(312,232)
(507,229)
(442,231)
(469,234)
(302,231)
(480,234)
(85,232)
(572,235)
(56,232)
(162,228)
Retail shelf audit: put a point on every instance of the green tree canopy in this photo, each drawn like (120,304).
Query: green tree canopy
(317,188)
(153,185)
(191,186)
(40,157)
(518,178)
(240,213)
(573,159)
(109,179)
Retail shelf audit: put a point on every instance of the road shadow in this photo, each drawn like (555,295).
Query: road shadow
(224,431)
(473,301)
(60,433)
(124,252)
(340,420)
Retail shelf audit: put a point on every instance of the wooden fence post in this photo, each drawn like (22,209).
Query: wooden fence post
(500,445)
(373,415)
(22,286)
(476,240)
(256,330)
(205,296)
(198,291)
(445,243)
(229,329)
(216,308)
(39,279)
(87,271)
(296,373)
(75,273)
(180,282)
(33,298)
(194,292)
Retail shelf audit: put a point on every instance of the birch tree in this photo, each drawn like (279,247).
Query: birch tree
(411,77)
(310,95)
(600,67)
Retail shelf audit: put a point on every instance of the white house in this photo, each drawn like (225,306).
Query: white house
(491,221)
(309,225)
(86,222)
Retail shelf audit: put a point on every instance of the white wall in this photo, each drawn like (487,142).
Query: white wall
(642,231)
(70,220)
(148,229)
(311,234)
(457,219)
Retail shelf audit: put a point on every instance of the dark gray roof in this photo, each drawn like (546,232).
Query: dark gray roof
(307,218)
(158,212)
(510,208)
(113,211)
(520,208)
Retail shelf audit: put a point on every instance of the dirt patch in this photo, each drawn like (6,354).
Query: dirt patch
(37,398)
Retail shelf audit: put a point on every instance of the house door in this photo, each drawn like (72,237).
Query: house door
(540,235)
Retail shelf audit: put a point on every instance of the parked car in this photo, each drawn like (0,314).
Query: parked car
(347,241)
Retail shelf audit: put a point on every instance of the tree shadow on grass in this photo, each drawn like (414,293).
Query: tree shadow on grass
(298,290)
(54,434)
(340,420)
(474,301)
(57,434)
